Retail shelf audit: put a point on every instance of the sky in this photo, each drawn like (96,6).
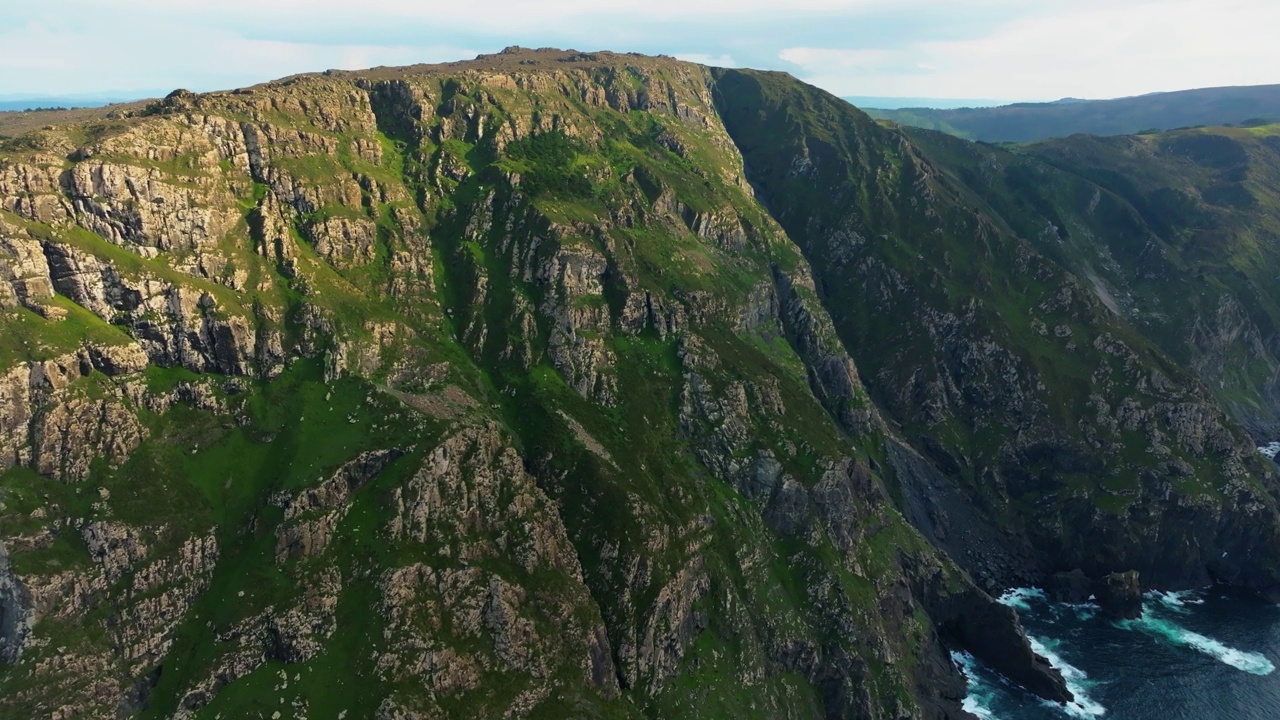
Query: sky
(999,49)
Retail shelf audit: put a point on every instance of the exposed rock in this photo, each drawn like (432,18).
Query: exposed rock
(174,325)
(115,546)
(345,242)
(24,273)
(578,315)
(1069,587)
(311,517)
(16,612)
(991,632)
(46,423)
(1120,595)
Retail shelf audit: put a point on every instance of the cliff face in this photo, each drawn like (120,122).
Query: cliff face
(1065,434)
(510,389)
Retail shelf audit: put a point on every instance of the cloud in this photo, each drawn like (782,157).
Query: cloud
(493,14)
(94,60)
(725,61)
(843,61)
(1018,49)
(1092,50)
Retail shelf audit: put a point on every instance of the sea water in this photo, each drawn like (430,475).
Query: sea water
(1197,655)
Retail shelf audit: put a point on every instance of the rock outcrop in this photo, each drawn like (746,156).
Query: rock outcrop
(1120,595)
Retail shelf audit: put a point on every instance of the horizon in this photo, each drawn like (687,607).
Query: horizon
(1014,50)
(20,102)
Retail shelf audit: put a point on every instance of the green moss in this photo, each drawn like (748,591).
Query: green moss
(30,337)
(549,165)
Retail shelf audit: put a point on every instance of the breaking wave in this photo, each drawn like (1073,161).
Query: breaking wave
(978,693)
(1152,624)
(1077,682)
(1020,598)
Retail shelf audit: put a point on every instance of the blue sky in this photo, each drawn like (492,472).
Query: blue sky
(1001,49)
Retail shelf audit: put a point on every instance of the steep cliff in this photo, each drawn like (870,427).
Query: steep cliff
(559,384)
(1065,434)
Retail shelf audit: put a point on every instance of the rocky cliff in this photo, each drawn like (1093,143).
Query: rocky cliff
(561,384)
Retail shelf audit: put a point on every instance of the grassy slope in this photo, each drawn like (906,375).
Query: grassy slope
(1166,227)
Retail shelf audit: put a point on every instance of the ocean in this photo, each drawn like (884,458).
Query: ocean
(1196,655)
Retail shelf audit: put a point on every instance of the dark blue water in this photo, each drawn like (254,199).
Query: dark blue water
(1198,655)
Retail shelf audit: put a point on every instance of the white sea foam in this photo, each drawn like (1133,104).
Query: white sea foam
(1178,601)
(977,693)
(1077,682)
(1270,449)
(1020,598)
(1084,611)
(1081,611)
(1250,662)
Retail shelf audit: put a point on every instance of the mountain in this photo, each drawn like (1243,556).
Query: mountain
(895,103)
(45,103)
(1024,122)
(16,102)
(561,384)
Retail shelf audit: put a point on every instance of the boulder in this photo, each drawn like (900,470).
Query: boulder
(1120,595)
(1069,587)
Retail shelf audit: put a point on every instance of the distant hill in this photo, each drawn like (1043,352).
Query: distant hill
(11,103)
(894,103)
(1022,122)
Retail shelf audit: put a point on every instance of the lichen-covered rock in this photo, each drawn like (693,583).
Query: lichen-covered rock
(24,272)
(574,306)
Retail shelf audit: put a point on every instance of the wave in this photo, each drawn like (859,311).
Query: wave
(1084,611)
(978,694)
(1177,600)
(1250,662)
(1077,682)
(1020,598)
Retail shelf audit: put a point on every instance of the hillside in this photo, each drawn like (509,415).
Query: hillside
(1023,122)
(563,384)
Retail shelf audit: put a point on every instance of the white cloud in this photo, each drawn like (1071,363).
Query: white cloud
(1093,50)
(95,60)
(838,60)
(979,48)
(725,61)
(496,13)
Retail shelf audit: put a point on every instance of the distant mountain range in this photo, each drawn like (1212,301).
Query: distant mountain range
(895,103)
(1023,122)
(13,103)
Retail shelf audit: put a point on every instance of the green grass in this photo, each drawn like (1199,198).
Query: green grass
(31,338)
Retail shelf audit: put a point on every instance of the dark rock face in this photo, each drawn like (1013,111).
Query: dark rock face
(15,611)
(1120,595)
(991,632)
(1006,467)
(1069,587)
